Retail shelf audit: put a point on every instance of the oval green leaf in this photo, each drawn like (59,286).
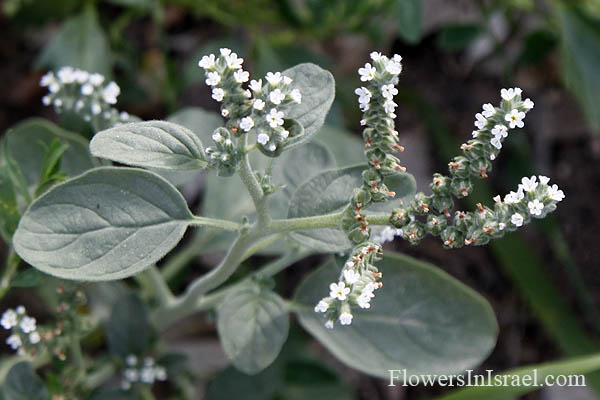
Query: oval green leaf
(253,325)
(421,320)
(109,223)
(22,383)
(150,144)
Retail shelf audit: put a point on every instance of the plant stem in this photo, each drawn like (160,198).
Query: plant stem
(217,223)
(77,355)
(255,190)
(320,221)
(159,286)
(99,376)
(12,264)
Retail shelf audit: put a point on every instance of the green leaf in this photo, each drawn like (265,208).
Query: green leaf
(537,46)
(347,148)
(139,4)
(318,91)
(150,144)
(9,210)
(328,193)
(27,142)
(253,325)
(128,329)
(231,384)
(574,367)
(456,37)
(51,173)
(22,383)
(200,121)
(114,394)
(30,277)
(79,43)
(411,324)
(410,19)
(109,223)
(581,59)
(310,379)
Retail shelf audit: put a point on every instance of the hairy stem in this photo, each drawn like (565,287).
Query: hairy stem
(256,192)
(12,264)
(159,286)
(77,356)
(216,223)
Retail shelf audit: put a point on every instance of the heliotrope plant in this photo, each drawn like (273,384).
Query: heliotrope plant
(110,223)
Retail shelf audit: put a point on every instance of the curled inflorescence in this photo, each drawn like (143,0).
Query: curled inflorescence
(86,94)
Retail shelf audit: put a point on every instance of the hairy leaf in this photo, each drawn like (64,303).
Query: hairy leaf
(129,330)
(410,19)
(22,383)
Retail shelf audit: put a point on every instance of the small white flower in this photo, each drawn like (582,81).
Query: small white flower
(389,107)
(246,124)
(96,109)
(296,96)
(34,338)
(287,80)
(14,341)
(555,194)
(274,118)
(207,62)
(124,115)
(367,73)
(389,91)
(225,51)
(224,112)
(263,138)
(338,290)
(509,94)
(46,100)
(53,87)
(528,104)
(376,56)
(544,179)
(387,235)
(87,89)
(111,92)
(272,147)
(276,96)
(274,78)
(500,131)
(481,121)
(535,207)
(515,118)
(496,142)
(351,276)
(397,58)
(131,359)
(27,324)
(9,319)
(346,318)
(488,110)
(284,133)
(241,76)
(213,78)
(255,85)
(364,95)
(47,79)
(364,300)
(529,184)
(322,306)
(217,137)
(228,142)
(370,288)
(160,373)
(501,226)
(218,94)
(125,385)
(58,102)
(21,310)
(475,134)
(66,75)
(517,219)
(258,104)
(96,79)
(147,375)
(329,324)
(497,199)
(131,375)
(363,122)
(81,76)
(393,67)
(79,105)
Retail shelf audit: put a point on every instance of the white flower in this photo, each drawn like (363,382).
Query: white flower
(53,87)
(376,56)
(271,147)
(263,138)
(21,310)
(475,134)
(367,73)
(246,124)
(96,79)
(509,94)
(255,85)
(217,137)
(364,300)
(224,112)
(274,78)
(46,100)
(87,89)
(393,67)
(363,122)
(58,102)
(500,131)
(225,51)
(501,226)
(96,109)
(496,142)
(284,133)
(517,219)
(528,184)
(329,324)
(389,91)
(351,276)
(274,118)
(131,375)
(488,110)
(241,76)
(555,194)
(535,207)
(276,96)
(397,58)
(287,80)
(296,96)
(14,341)
(338,290)
(544,179)
(111,92)
(370,288)
(147,375)
(228,142)
(258,104)
(389,107)
(9,319)
(47,79)
(160,373)
(66,75)
(27,324)
(346,318)
(514,198)
(131,359)
(34,338)
(322,306)
(515,118)
(207,62)
(218,94)
(233,61)
(481,121)
(364,95)
(387,235)
(528,104)
(213,78)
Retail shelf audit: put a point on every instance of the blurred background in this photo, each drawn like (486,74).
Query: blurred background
(542,282)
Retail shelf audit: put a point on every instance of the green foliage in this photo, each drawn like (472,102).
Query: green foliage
(253,325)
(409,17)
(128,329)
(30,277)
(456,37)
(411,324)
(537,46)
(150,144)
(22,383)
(9,211)
(108,223)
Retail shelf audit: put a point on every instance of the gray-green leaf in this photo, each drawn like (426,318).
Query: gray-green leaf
(411,324)
(253,325)
(410,19)
(22,383)
(129,330)
(109,223)
(150,144)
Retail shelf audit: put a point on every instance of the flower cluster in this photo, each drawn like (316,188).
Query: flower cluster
(224,156)
(87,94)
(144,372)
(355,287)
(24,336)
(260,108)
(359,275)
(432,214)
